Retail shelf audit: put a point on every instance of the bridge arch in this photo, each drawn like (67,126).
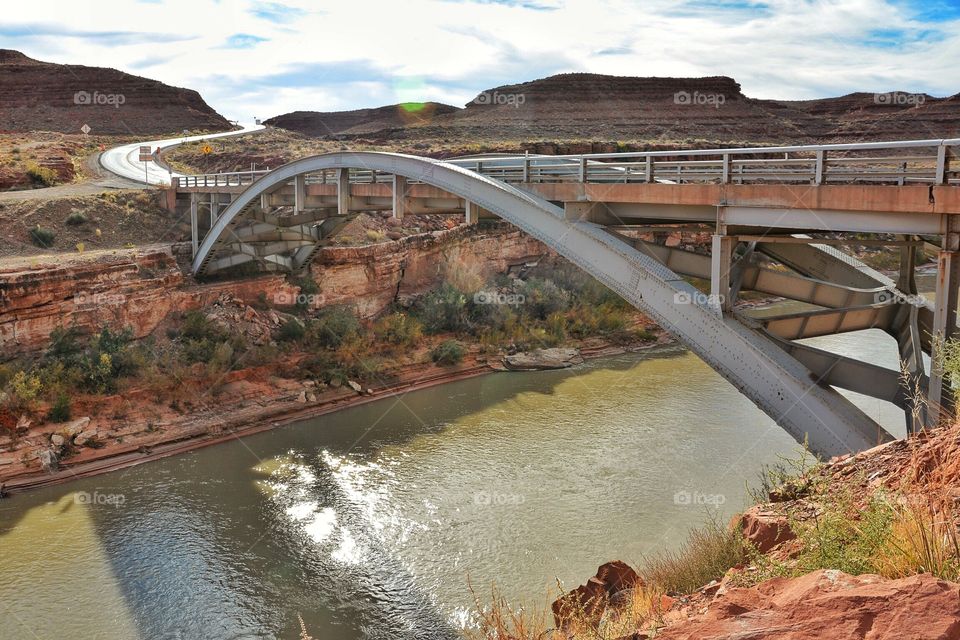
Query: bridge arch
(776,381)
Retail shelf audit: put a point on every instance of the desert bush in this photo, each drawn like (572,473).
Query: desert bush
(399,329)
(444,309)
(60,411)
(23,390)
(333,327)
(43,238)
(43,176)
(447,353)
(375,236)
(922,538)
(200,338)
(76,218)
(543,297)
(291,331)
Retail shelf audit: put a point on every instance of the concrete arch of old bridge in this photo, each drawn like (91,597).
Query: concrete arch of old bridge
(779,378)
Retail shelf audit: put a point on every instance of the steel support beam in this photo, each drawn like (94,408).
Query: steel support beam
(194,223)
(849,373)
(942,399)
(810,324)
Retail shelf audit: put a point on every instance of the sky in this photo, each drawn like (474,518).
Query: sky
(261,59)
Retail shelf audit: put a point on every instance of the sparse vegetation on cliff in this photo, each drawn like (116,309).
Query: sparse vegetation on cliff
(463,320)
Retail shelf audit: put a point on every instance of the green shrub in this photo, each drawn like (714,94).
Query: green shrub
(76,218)
(291,331)
(333,327)
(543,297)
(308,287)
(398,329)
(60,411)
(196,326)
(41,237)
(444,309)
(448,352)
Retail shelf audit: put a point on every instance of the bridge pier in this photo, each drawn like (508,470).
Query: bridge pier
(194,223)
(721,262)
(400,200)
(471,212)
(343,192)
(941,399)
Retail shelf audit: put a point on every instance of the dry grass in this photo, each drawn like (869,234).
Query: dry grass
(706,555)
(636,609)
(922,539)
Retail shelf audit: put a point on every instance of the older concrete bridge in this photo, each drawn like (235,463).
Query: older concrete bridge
(777,216)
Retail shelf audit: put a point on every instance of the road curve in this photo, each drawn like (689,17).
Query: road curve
(124,162)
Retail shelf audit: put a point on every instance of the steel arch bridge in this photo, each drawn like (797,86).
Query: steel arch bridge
(281,218)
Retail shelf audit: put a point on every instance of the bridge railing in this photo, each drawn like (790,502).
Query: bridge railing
(900,163)
(231,179)
(906,162)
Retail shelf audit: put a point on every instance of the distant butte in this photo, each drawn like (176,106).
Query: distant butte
(585,107)
(44,96)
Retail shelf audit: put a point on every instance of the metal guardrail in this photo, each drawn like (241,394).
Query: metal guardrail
(897,163)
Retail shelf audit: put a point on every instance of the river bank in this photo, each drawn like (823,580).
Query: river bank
(249,406)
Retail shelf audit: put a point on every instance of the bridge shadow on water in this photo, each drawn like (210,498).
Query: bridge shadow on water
(236,540)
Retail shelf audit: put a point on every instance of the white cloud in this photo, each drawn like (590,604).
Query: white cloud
(339,55)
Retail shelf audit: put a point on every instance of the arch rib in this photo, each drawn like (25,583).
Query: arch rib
(778,383)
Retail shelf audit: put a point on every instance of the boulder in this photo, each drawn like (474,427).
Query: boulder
(830,605)
(355,386)
(72,428)
(763,528)
(590,600)
(49,461)
(84,437)
(553,358)
(23,423)
(57,440)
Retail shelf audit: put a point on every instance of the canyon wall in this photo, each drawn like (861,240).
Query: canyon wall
(140,288)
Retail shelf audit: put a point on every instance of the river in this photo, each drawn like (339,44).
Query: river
(368,522)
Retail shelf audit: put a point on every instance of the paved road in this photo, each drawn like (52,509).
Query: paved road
(123,160)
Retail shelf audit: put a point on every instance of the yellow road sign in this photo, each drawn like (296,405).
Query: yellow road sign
(206,149)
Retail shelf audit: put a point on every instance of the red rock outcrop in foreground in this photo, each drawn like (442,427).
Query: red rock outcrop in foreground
(829,605)
(591,599)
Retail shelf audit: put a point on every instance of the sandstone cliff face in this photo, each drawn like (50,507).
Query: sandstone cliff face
(42,96)
(371,277)
(140,288)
